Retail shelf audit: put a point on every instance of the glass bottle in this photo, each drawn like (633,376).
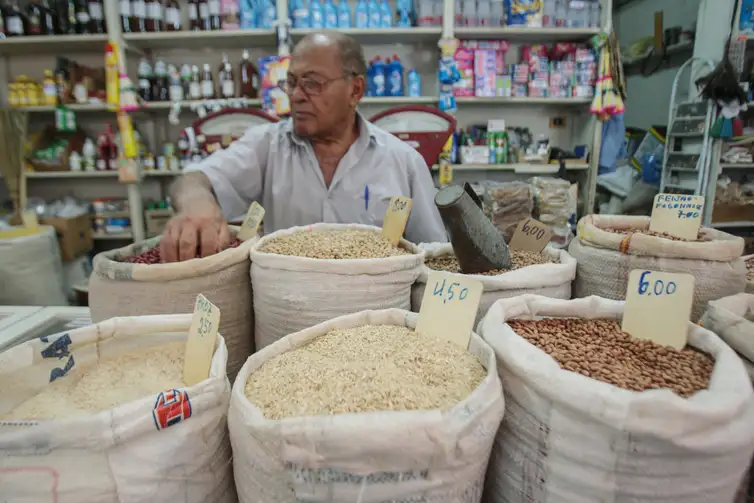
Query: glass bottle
(160,83)
(172,16)
(15,21)
(145,80)
(3,31)
(203,14)
(49,21)
(176,87)
(193,15)
(215,18)
(71,14)
(248,76)
(195,86)
(33,18)
(96,17)
(82,17)
(154,16)
(125,16)
(208,85)
(227,80)
(139,16)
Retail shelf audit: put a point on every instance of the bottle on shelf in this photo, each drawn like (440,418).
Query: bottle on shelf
(49,19)
(185,79)
(160,90)
(195,86)
(176,86)
(208,86)
(82,17)
(97,17)
(107,150)
(34,17)
(138,16)
(49,90)
(195,23)
(15,21)
(89,154)
(248,77)
(154,20)
(145,80)
(215,17)
(172,16)
(125,16)
(3,32)
(203,9)
(70,12)
(227,79)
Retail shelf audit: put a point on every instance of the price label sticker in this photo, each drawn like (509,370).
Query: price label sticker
(677,214)
(396,218)
(201,341)
(251,223)
(531,236)
(29,219)
(658,306)
(446,174)
(449,307)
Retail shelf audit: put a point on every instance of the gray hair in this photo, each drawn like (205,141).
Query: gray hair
(351,53)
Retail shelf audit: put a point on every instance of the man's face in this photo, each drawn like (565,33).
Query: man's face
(321,95)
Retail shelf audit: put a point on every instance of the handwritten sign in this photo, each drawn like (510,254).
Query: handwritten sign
(201,341)
(251,223)
(677,214)
(446,174)
(531,236)
(449,307)
(29,218)
(658,306)
(396,218)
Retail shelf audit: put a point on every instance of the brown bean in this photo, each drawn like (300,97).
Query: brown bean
(152,256)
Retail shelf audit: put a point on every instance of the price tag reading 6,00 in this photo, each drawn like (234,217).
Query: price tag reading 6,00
(396,218)
(449,307)
(201,341)
(531,236)
(658,306)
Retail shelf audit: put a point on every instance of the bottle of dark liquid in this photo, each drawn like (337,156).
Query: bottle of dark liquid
(3,32)
(125,16)
(138,16)
(172,16)
(215,19)
(248,77)
(145,80)
(154,16)
(193,15)
(33,18)
(160,87)
(208,85)
(15,21)
(96,17)
(49,19)
(82,17)
(203,14)
(70,13)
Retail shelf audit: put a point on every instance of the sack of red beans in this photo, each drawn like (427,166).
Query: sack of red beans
(133,281)
(594,414)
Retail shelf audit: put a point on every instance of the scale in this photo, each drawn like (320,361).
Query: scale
(10,315)
(43,323)
(218,130)
(427,129)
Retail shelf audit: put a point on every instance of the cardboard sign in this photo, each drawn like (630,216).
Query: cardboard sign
(531,236)
(446,174)
(396,218)
(677,214)
(658,306)
(201,341)
(449,307)
(29,218)
(251,223)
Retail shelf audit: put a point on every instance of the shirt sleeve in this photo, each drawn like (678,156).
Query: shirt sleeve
(237,172)
(424,223)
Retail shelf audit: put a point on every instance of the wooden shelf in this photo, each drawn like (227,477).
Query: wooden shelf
(525,34)
(52,44)
(105,236)
(91,107)
(386,36)
(93,174)
(201,40)
(522,100)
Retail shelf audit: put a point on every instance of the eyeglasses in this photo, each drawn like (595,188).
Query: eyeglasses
(310,85)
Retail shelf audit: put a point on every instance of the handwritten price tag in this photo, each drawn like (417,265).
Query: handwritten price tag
(446,174)
(678,215)
(29,219)
(396,218)
(449,307)
(251,223)
(201,341)
(531,236)
(658,306)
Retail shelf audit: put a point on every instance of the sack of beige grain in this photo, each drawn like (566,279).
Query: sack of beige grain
(749,261)
(549,273)
(732,318)
(362,408)
(595,415)
(609,247)
(100,413)
(306,275)
(31,273)
(131,281)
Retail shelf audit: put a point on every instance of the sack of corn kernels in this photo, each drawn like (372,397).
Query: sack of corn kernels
(362,408)
(549,273)
(732,319)
(132,281)
(749,261)
(101,414)
(31,273)
(595,415)
(306,275)
(609,247)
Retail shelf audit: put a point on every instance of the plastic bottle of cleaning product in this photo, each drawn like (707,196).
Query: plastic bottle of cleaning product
(497,13)
(300,11)
(344,14)
(316,14)
(331,14)
(469,13)
(373,11)
(395,77)
(414,83)
(484,12)
(361,14)
(268,15)
(595,14)
(403,14)
(426,13)
(378,77)
(370,79)
(386,15)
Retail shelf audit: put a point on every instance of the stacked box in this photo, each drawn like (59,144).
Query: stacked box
(485,74)
(520,77)
(464,58)
(561,79)
(585,73)
(539,76)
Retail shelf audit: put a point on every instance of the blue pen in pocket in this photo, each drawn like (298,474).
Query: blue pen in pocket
(366,197)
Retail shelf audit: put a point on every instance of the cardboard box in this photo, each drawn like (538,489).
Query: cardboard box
(74,235)
(156,221)
(727,212)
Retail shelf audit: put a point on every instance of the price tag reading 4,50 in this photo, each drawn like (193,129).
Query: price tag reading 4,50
(396,218)
(658,306)
(679,215)
(201,341)
(251,223)
(531,236)
(449,307)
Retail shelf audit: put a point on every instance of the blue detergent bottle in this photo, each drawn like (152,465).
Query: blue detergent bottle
(316,14)
(300,11)
(369,91)
(395,77)
(362,14)
(378,77)
(269,13)
(386,15)
(344,14)
(414,83)
(373,9)
(331,14)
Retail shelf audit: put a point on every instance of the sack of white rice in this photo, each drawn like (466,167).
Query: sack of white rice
(749,261)
(132,281)
(609,247)
(362,408)
(306,275)
(100,414)
(595,415)
(31,273)
(549,273)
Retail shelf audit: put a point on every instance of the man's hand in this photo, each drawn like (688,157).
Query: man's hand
(199,232)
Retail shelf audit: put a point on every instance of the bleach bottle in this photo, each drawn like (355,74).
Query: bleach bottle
(370,79)
(395,77)
(362,14)
(373,9)
(378,77)
(269,13)
(331,14)
(414,83)
(300,11)
(316,14)
(386,15)
(344,14)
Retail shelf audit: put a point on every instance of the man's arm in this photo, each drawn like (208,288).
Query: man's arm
(424,223)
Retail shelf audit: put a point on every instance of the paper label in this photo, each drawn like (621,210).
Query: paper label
(29,218)
(677,214)
(658,306)
(531,236)
(396,218)
(201,341)
(449,307)
(251,223)
(446,174)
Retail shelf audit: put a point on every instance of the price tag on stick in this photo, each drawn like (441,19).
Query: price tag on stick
(658,306)
(677,214)
(396,218)
(449,307)
(29,219)
(531,236)
(201,341)
(251,223)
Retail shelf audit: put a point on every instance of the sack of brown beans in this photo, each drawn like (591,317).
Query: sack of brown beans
(749,261)
(132,281)
(609,247)
(732,318)
(363,408)
(306,275)
(549,273)
(102,414)
(594,414)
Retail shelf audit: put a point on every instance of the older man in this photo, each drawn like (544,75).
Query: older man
(325,164)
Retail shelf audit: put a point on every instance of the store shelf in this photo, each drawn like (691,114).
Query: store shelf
(518,167)
(726,225)
(197,40)
(742,165)
(669,51)
(387,36)
(399,100)
(522,100)
(53,44)
(525,34)
(186,105)
(104,236)
(99,107)
(93,174)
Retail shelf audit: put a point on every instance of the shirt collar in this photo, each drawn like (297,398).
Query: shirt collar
(367,132)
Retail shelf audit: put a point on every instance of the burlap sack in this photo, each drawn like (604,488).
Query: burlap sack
(749,283)
(125,289)
(605,259)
